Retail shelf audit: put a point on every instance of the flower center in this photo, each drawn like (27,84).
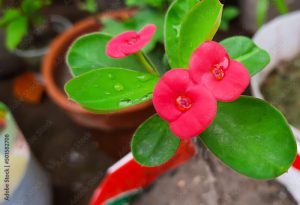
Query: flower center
(132,41)
(218,70)
(183,103)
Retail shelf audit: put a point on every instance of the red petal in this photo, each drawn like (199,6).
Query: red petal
(114,47)
(234,83)
(174,83)
(144,36)
(194,121)
(205,57)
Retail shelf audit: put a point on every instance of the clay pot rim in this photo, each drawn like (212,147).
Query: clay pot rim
(56,47)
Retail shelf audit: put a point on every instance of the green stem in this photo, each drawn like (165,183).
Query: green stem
(147,65)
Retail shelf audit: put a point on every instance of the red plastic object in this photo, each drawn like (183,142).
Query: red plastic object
(128,175)
(296,164)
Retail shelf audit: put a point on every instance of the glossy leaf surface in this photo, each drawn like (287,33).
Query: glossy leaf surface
(153,142)
(111,89)
(251,137)
(199,25)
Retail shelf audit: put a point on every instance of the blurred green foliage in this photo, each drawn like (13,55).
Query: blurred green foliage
(263,6)
(229,14)
(18,20)
(89,6)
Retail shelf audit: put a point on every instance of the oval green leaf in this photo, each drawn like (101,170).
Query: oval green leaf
(199,25)
(110,89)
(153,142)
(173,21)
(251,137)
(244,50)
(88,53)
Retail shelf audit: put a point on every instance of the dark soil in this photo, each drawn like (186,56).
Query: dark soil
(281,88)
(38,37)
(206,181)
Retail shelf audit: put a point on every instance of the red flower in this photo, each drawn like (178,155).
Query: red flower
(211,66)
(130,42)
(189,108)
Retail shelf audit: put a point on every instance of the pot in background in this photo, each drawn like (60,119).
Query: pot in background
(56,74)
(281,39)
(249,8)
(33,56)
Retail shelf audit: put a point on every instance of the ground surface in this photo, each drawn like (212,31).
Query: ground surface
(205,181)
(65,150)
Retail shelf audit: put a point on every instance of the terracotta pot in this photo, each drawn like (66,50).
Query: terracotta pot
(54,60)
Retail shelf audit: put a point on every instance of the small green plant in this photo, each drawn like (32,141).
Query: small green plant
(263,6)
(22,20)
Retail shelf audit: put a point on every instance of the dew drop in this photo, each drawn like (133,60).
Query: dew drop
(107,93)
(125,103)
(118,87)
(146,97)
(110,76)
(144,78)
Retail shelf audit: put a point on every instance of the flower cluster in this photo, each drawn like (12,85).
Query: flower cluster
(187,98)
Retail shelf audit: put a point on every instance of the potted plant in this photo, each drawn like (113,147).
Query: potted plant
(199,97)
(28,30)
(255,12)
(281,74)
(56,74)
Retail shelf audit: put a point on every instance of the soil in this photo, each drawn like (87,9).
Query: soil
(281,88)
(206,181)
(38,38)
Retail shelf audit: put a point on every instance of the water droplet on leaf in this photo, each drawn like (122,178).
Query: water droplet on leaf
(110,76)
(144,78)
(118,87)
(125,103)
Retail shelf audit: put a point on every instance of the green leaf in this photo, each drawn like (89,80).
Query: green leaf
(201,24)
(281,6)
(15,32)
(30,7)
(88,53)
(114,27)
(152,3)
(8,16)
(261,11)
(229,13)
(244,50)
(153,142)
(174,17)
(251,137)
(89,6)
(111,89)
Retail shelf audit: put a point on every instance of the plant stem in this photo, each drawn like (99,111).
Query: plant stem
(147,65)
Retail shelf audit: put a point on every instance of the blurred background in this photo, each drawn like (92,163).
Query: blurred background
(71,149)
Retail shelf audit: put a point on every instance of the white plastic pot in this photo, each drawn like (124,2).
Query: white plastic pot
(281,38)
